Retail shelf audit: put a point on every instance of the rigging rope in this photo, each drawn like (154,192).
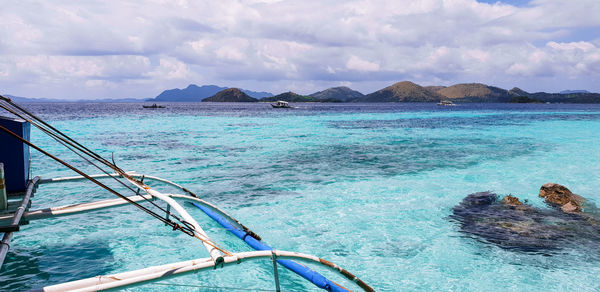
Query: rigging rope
(79,150)
(84,175)
(70,146)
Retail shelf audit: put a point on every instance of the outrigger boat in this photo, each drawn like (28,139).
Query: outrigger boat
(446,103)
(281,104)
(153,106)
(175,216)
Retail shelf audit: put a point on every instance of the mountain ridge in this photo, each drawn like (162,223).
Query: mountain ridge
(341,93)
(195,93)
(230,95)
(294,97)
(568,91)
(404,91)
(54,100)
(476,92)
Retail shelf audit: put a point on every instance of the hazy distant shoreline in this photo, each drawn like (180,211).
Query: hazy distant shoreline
(404,91)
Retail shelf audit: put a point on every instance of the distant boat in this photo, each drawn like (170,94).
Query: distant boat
(281,104)
(154,106)
(446,103)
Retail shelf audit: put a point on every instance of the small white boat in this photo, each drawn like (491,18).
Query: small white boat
(281,104)
(446,103)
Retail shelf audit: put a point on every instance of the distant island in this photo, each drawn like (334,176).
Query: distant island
(573,91)
(407,91)
(342,93)
(20,99)
(230,95)
(294,97)
(195,93)
(404,91)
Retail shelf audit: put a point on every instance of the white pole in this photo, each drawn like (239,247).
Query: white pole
(133,174)
(173,269)
(275,272)
(208,243)
(213,207)
(72,178)
(214,253)
(73,209)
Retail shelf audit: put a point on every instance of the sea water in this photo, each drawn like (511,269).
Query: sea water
(369,187)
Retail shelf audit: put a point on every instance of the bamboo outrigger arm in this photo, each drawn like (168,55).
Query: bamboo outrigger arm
(103,204)
(165,271)
(63,210)
(183,221)
(73,209)
(206,241)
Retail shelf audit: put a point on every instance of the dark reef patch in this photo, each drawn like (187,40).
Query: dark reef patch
(403,156)
(523,227)
(47,265)
(510,119)
(324,164)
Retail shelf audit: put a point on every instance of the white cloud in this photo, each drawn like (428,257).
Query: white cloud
(573,46)
(571,60)
(358,64)
(269,45)
(230,53)
(170,69)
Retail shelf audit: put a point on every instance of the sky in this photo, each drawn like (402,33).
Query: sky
(136,49)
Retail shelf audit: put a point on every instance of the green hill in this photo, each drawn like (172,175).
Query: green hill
(341,93)
(404,91)
(230,95)
(294,97)
(476,92)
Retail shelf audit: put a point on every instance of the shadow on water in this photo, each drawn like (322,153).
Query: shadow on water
(290,172)
(524,228)
(27,268)
(511,119)
(403,156)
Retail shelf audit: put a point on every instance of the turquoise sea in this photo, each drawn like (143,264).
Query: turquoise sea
(369,187)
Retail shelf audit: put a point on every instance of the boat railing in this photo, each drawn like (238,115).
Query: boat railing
(175,216)
(218,258)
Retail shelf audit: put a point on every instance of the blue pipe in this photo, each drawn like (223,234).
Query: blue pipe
(293,266)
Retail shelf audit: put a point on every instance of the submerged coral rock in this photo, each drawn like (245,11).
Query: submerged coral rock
(559,196)
(482,215)
(569,208)
(524,227)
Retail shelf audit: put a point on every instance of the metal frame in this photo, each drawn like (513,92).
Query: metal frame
(16,219)
(217,257)
(163,272)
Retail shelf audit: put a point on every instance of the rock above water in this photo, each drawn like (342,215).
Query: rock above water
(560,196)
(483,215)
(511,201)
(513,225)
